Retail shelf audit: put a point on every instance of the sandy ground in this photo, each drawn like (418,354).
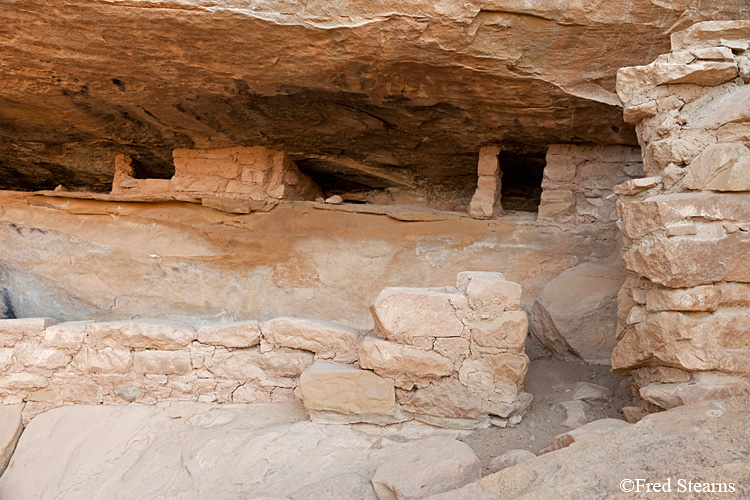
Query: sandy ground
(551,382)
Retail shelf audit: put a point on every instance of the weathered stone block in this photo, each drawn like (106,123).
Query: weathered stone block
(690,341)
(427,468)
(556,202)
(240,334)
(104,360)
(67,336)
(144,334)
(506,331)
(407,366)
(32,355)
(588,431)
(491,291)
(720,167)
(15,330)
(403,314)
(327,340)
(162,362)
(10,430)
(343,388)
(699,298)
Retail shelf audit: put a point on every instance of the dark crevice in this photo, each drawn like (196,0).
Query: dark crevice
(522,181)
(8,311)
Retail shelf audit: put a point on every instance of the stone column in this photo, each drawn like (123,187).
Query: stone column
(485,204)
(123,170)
(684,311)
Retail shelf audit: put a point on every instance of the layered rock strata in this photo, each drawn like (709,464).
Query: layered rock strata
(449,356)
(684,312)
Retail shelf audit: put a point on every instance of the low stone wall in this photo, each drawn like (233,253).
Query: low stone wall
(471,350)
(239,173)
(48,364)
(578,181)
(684,311)
(450,356)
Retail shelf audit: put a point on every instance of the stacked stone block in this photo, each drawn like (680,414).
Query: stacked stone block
(578,181)
(684,311)
(450,356)
(46,364)
(487,200)
(239,173)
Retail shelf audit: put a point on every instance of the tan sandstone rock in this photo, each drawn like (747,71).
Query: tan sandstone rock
(404,315)
(701,441)
(162,362)
(146,334)
(588,431)
(509,459)
(691,341)
(581,303)
(343,388)
(237,335)
(407,366)
(700,298)
(720,167)
(15,330)
(431,467)
(327,340)
(703,386)
(10,430)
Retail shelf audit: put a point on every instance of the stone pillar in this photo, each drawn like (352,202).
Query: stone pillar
(123,171)
(684,311)
(485,204)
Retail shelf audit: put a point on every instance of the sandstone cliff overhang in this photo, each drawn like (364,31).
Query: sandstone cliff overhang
(354,89)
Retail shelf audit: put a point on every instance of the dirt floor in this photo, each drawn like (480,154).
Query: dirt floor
(551,382)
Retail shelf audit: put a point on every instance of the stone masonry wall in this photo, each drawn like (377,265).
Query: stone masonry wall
(238,173)
(456,374)
(451,356)
(684,311)
(578,180)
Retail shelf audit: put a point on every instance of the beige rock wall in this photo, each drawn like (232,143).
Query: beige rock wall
(95,260)
(684,312)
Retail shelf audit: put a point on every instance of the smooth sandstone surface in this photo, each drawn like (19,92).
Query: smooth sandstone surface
(191,451)
(184,262)
(577,311)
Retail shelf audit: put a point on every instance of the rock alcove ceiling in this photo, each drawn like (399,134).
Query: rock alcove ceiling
(360,92)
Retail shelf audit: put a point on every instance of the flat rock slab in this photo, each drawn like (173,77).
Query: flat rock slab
(194,451)
(706,442)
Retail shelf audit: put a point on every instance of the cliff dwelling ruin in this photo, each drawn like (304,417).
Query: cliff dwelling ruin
(374,251)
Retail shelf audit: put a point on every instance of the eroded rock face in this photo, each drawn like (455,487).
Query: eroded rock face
(381,83)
